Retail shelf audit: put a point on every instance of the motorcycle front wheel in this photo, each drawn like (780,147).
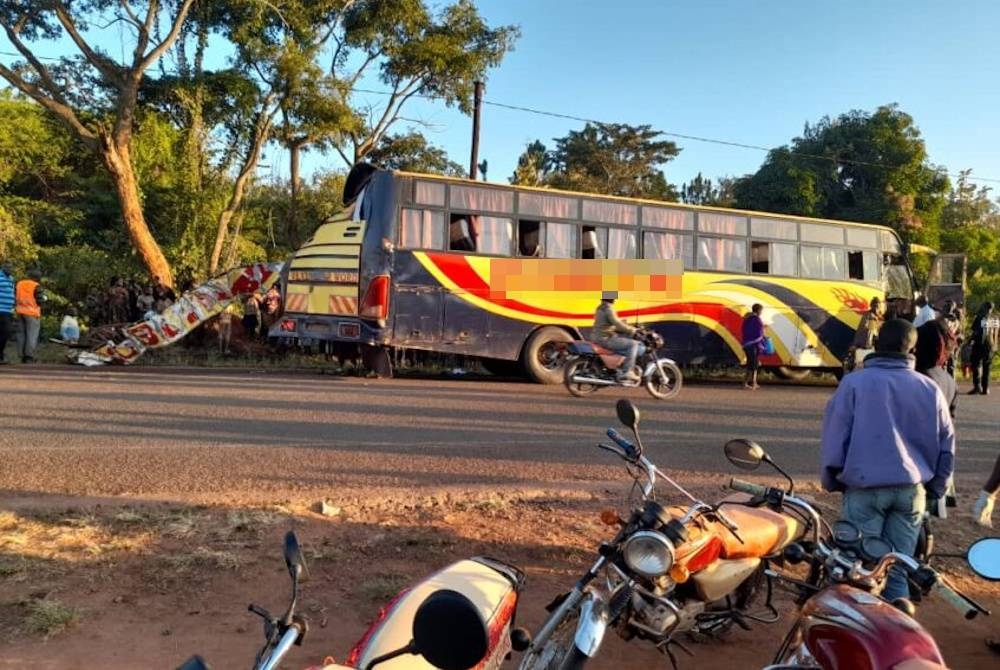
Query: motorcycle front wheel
(665,381)
(559,652)
(580,366)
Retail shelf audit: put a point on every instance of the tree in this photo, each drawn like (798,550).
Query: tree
(701,191)
(870,167)
(416,53)
(614,159)
(970,224)
(533,166)
(94,94)
(413,153)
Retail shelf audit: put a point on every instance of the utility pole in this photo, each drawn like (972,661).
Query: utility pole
(477,103)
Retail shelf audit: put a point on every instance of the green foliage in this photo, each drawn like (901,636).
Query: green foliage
(701,191)
(970,224)
(412,152)
(869,167)
(613,159)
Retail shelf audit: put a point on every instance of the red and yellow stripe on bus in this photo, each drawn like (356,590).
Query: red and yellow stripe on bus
(800,313)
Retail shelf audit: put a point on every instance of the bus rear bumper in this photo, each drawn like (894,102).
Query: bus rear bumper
(330,329)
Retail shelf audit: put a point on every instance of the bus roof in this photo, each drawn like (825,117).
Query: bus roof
(644,201)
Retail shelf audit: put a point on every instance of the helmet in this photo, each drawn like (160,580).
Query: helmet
(609,295)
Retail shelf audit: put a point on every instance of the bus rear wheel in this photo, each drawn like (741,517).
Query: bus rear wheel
(542,356)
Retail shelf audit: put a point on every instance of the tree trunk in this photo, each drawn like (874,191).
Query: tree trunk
(118,161)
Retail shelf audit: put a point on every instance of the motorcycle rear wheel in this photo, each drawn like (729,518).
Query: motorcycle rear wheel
(579,366)
(559,652)
(661,388)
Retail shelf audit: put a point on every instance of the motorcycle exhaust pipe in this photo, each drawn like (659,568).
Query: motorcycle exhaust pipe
(591,380)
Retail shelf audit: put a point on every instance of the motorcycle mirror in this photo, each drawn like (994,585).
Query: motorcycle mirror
(293,556)
(745,454)
(449,632)
(628,413)
(984,558)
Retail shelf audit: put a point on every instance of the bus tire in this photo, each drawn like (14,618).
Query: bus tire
(541,359)
(794,374)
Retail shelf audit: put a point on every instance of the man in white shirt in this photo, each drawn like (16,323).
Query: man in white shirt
(925,312)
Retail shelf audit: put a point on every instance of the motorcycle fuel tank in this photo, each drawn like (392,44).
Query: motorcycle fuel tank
(849,629)
(722,577)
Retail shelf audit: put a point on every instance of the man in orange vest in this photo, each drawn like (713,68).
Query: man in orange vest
(28,300)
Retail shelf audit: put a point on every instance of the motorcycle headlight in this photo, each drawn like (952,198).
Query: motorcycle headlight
(648,553)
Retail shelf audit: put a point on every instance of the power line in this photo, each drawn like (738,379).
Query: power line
(694,138)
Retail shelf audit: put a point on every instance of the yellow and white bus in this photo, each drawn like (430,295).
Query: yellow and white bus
(410,263)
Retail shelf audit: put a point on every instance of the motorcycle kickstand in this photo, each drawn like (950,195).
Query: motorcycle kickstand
(665,649)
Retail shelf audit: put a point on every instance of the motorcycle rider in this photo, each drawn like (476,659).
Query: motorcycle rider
(607,330)
(886,431)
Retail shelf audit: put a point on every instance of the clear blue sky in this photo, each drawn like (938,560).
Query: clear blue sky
(748,72)
(752,72)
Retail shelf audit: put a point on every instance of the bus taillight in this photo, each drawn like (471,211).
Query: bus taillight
(375,304)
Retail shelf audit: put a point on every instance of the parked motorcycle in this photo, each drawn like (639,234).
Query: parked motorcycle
(842,623)
(667,571)
(459,618)
(589,366)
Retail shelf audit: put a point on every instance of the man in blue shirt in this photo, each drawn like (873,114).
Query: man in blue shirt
(6,306)
(888,443)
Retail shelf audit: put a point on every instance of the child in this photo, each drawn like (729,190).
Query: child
(69,331)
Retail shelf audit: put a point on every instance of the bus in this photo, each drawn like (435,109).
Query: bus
(407,264)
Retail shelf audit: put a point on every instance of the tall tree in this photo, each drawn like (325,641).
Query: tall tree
(614,159)
(414,153)
(701,191)
(95,94)
(860,167)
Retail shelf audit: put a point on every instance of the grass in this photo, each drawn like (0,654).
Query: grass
(202,557)
(50,617)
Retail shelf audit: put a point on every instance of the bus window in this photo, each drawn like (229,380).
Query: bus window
(668,246)
(481,199)
(548,206)
(610,212)
(481,234)
(724,224)
(823,263)
(429,193)
(822,233)
(715,253)
(760,257)
(528,238)
(898,281)
(662,217)
(421,229)
(862,265)
(621,243)
(862,238)
(595,241)
(461,233)
(560,240)
(773,228)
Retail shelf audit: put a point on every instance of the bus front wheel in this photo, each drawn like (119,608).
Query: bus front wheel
(543,356)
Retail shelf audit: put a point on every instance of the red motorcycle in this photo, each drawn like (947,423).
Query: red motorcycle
(842,624)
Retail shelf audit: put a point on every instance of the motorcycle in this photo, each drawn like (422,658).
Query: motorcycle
(842,623)
(459,618)
(589,366)
(667,571)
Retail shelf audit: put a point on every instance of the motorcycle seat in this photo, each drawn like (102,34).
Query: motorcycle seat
(764,532)
(586,347)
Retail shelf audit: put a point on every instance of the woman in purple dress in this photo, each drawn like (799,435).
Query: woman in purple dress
(753,344)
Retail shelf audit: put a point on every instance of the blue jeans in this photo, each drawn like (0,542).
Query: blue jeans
(893,513)
(628,348)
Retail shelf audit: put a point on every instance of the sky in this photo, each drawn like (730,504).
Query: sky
(745,72)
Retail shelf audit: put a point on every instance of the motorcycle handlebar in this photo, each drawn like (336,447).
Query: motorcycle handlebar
(747,487)
(630,449)
(955,600)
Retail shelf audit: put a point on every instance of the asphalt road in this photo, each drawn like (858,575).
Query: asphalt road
(257,437)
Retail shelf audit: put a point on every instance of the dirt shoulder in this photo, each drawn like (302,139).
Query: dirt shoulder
(120,585)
